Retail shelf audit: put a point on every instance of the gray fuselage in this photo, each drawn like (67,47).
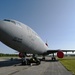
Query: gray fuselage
(21,37)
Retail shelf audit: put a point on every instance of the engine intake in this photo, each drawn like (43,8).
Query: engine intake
(20,55)
(60,54)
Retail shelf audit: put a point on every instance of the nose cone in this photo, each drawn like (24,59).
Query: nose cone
(2,25)
(3,28)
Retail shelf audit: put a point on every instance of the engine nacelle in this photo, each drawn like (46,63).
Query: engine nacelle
(21,55)
(60,54)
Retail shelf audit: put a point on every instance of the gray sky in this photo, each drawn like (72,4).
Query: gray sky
(53,20)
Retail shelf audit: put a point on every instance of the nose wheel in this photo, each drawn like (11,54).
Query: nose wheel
(43,58)
(24,60)
(53,57)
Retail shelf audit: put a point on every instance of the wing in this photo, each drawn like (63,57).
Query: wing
(54,51)
(59,52)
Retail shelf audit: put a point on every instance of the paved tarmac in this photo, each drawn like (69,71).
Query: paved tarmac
(45,68)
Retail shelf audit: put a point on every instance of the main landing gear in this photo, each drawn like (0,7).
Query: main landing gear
(24,60)
(34,59)
(53,57)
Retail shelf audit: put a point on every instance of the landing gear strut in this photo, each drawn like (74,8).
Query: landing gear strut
(53,57)
(34,59)
(43,58)
(24,60)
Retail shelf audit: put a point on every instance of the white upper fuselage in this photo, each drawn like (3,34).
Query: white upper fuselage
(21,37)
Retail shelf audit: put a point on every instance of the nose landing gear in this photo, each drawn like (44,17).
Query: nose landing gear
(53,57)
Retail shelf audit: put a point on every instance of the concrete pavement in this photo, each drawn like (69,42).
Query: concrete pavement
(45,68)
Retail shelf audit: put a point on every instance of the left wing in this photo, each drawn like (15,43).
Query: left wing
(59,52)
(54,51)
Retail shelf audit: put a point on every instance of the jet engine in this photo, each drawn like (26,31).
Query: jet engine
(60,54)
(21,55)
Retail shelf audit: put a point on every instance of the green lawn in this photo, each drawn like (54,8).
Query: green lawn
(69,63)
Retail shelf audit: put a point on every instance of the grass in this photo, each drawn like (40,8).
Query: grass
(69,63)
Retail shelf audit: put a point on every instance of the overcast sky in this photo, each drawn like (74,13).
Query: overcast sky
(53,20)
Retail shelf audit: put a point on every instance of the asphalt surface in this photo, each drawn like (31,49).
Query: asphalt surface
(47,67)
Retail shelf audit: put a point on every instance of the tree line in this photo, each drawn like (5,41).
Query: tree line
(7,55)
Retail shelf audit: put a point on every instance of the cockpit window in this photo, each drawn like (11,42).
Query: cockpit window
(13,21)
(10,21)
(6,20)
